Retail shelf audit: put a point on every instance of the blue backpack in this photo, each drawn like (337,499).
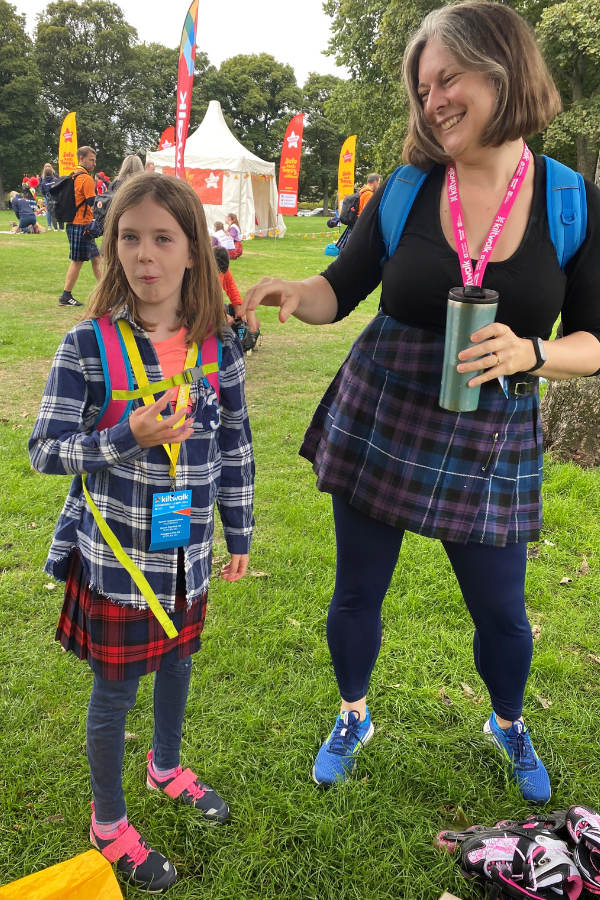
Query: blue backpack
(566,206)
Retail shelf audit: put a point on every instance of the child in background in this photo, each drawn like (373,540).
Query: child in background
(230,287)
(221,238)
(233,230)
(161,289)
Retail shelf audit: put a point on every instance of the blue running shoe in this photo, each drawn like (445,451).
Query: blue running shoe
(336,760)
(527,769)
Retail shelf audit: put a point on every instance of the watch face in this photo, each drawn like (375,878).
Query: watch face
(541,349)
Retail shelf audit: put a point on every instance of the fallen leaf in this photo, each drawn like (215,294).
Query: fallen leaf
(23,415)
(294,622)
(260,574)
(364,780)
(50,586)
(130,736)
(584,568)
(546,704)
(15,426)
(594,658)
(533,552)
(460,820)
(30,806)
(309,574)
(32,525)
(396,685)
(565,580)
(287,437)
(467,691)
(56,818)
(17,828)
(549,543)
(536,632)
(445,698)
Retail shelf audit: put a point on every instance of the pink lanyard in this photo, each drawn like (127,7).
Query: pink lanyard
(460,237)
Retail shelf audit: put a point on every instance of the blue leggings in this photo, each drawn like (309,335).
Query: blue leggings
(109,704)
(492,581)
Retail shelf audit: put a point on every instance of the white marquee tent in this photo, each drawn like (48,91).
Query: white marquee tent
(227,177)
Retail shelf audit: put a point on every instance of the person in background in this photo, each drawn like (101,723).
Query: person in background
(25,215)
(82,246)
(131,165)
(149,167)
(221,238)
(366,192)
(102,183)
(233,229)
(231,289)
(48,179)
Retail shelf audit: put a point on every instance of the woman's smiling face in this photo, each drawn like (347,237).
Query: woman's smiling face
(458,104)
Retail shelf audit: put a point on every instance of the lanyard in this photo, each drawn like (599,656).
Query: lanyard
(456,215)
(183,394)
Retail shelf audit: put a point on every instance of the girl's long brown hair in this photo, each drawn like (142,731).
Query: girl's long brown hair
(235,219)
(201,292)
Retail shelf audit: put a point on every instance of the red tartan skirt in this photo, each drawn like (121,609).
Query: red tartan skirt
(119,642)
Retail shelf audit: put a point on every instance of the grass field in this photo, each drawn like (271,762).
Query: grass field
(263,694)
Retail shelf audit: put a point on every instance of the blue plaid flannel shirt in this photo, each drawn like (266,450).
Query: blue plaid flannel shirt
(216,463)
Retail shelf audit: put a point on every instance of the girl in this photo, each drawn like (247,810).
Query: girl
(161,289)
(233,230)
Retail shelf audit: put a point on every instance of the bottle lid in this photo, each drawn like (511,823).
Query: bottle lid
(473,293)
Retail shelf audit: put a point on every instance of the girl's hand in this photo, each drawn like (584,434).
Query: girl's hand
(509,353)
(149,431)
(236,568)
(273,292)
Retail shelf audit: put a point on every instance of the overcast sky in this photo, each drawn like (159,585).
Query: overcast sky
(294,33)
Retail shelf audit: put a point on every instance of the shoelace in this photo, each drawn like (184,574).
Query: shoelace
(138,854)
(522,750)
(196,790)
(345,735)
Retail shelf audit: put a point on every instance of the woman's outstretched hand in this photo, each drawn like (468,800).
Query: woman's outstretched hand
(236,568)
(503,353)
(150,431)
(273,292)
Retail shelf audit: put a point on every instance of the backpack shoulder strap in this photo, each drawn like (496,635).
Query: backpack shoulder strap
(396,203)
(117,373)
(566,205)
(210,353)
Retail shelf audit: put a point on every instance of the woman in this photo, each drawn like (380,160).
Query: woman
(379,442)
(48,179)
(131,165)
(233,229)
(21,206)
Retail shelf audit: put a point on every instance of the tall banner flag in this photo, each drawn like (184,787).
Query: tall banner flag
(185,83)
(67,147)
(289,167)
(346,169)
(167,138)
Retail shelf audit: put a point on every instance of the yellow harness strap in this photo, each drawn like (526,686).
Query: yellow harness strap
(146,390)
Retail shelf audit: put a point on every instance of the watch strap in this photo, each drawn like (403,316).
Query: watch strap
(540,357)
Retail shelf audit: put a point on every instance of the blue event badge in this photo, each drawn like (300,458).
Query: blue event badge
(171,517)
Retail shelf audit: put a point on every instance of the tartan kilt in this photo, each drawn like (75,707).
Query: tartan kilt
(380,440)
(120,642)
(82,246)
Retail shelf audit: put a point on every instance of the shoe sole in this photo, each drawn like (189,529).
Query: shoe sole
(368,737)
(490,736)
(210,820)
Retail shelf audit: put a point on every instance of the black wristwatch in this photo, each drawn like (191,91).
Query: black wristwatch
(540,353)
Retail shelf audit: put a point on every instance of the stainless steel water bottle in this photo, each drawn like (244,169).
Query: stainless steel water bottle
(469,309)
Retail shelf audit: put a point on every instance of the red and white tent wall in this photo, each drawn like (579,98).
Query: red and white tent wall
(227,177)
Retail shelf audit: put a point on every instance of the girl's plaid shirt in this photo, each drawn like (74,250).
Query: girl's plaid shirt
(217,464)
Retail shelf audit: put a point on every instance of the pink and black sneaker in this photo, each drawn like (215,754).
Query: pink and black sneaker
(584,827)
(138,863)
(186,787)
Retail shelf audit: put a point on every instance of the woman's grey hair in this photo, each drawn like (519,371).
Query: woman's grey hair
(131,165)
(491,39)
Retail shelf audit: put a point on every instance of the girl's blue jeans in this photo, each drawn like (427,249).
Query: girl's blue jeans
(109,704)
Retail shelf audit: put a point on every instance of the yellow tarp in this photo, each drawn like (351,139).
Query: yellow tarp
(86,877)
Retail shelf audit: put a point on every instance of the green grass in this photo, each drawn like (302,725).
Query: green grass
(263,694)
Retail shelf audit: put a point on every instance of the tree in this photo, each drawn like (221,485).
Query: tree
(87,54)
(570,38)
(258,95)
(22,114)
(321,140)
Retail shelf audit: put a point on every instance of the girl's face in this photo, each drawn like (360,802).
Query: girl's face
(154,252)
(458,104)
(228,219)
